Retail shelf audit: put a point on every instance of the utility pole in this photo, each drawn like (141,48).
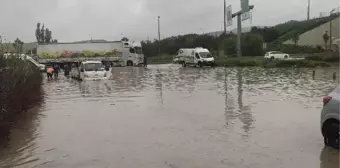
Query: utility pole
(224,16)
(159,37)
(330,29)
(159,31)
(308,10)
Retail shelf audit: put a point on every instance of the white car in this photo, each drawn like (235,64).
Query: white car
(276,55)
(330,118)
(90,70)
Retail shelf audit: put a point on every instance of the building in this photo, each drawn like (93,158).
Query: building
(315,38)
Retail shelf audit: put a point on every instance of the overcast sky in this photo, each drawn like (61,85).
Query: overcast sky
(72,20)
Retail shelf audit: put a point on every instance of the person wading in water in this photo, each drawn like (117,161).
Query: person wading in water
(145,61)
(56,70)
(49,72)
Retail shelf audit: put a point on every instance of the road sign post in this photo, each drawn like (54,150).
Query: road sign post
(229,16)
(245,14)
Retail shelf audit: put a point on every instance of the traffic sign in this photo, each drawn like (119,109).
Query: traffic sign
(229,16)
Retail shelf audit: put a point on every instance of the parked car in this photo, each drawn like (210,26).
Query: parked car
(276,55)
(330,118)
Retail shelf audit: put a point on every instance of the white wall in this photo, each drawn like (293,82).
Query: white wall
(314,37)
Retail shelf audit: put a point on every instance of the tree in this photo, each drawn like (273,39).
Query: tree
(42,34)
(325,38)
(125,39)
(18,44)
(48,36)
(37,33)
(296,38)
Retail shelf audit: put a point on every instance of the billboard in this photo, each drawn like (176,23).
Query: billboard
(229,16)
(245,14)
(244,6)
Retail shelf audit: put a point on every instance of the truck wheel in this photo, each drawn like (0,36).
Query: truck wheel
(200,64)
(129,63)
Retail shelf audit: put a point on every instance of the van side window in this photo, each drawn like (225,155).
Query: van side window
(132,50)
(197,56)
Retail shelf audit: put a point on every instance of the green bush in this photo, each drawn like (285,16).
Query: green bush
(293,49)
(20,88)
(326,58)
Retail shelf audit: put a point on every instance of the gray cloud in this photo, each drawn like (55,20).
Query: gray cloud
(107,19)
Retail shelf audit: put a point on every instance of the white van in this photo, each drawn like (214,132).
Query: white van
(90,70)
(196,56)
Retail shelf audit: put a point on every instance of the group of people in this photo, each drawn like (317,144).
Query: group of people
(54,70)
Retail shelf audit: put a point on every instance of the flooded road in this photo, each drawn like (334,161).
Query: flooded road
(172,117)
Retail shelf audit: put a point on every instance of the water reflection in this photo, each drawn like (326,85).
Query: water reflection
(245,116)
(22,144)
(204,112)
(329,158)
(159,85)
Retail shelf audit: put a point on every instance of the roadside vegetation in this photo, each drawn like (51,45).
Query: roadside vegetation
(259,61)
(252,45)
(20,88)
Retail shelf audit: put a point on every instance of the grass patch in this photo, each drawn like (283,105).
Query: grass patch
(163,59)
(266,63)
(255,62)
(329,57)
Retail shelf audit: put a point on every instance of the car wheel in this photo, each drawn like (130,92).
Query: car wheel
(184,64)
(272,57)
(331,137)
(200,64)
(286,56)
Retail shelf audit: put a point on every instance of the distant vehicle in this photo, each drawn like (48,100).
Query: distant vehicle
(196,57)
(90,70)
(330,118)
(120,53)
(276,55)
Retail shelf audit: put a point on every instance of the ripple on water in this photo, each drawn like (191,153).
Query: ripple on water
(188,117)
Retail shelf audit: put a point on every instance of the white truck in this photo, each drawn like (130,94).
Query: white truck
(121,53)
(195,57)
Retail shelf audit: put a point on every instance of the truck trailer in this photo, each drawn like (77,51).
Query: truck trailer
(117,53)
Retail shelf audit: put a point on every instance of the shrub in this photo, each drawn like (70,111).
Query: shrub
(20,88)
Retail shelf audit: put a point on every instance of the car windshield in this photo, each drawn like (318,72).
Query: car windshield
(205,55)
(94,67)
(139,50)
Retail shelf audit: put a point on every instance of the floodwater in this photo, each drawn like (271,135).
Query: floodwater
(167,116)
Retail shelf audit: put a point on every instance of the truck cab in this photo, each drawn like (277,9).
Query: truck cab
(197,57)
(133,54)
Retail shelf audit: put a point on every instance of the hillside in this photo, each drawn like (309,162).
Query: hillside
(287,30)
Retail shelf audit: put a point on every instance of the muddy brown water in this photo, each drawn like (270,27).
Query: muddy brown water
(167,116)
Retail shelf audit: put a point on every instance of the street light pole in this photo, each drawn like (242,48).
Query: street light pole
(159,37)
(330,29)
(308,10)
(159,32)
